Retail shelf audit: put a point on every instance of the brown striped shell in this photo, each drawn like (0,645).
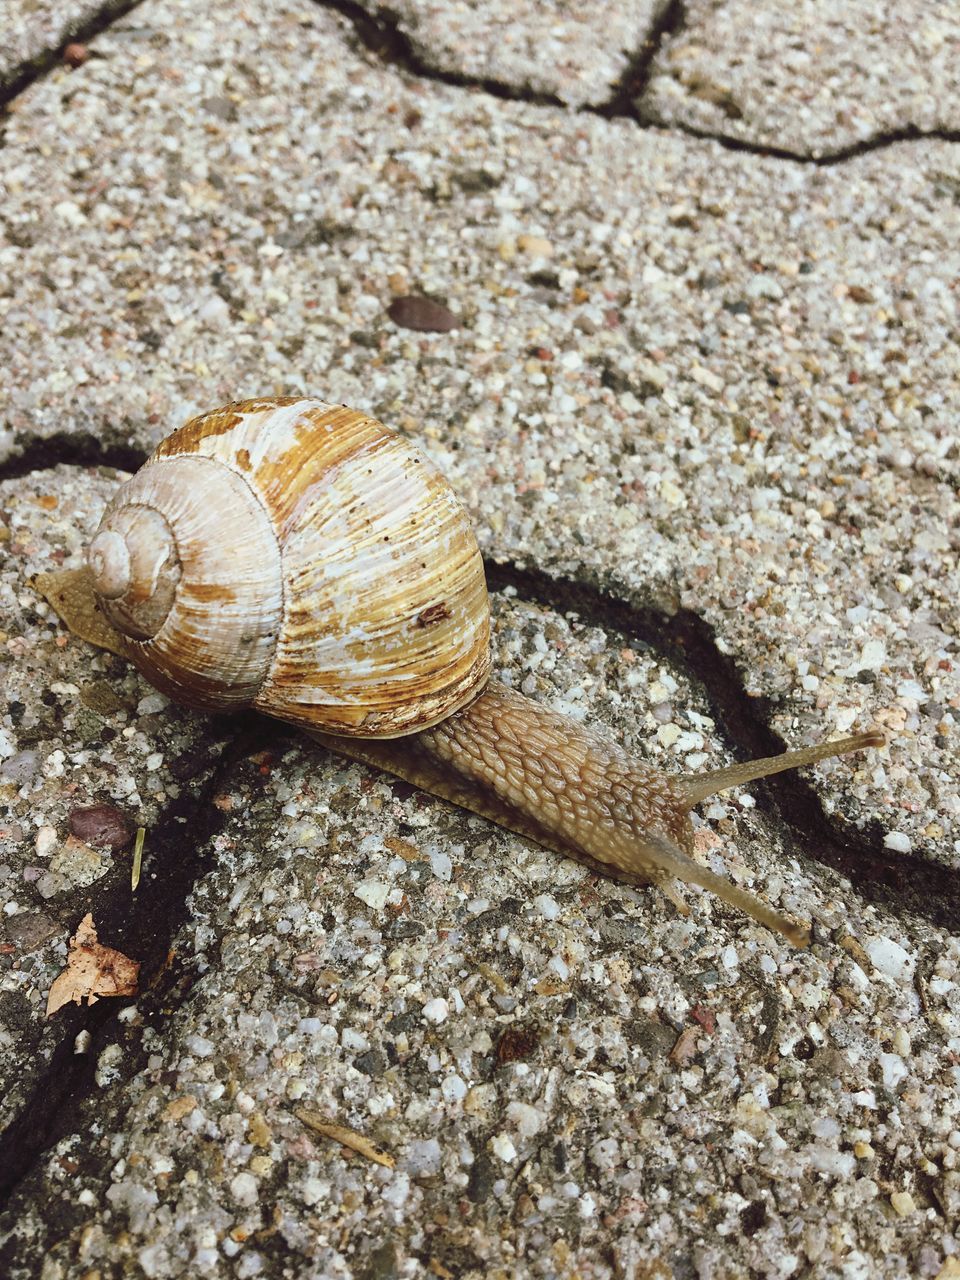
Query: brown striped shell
(301,557)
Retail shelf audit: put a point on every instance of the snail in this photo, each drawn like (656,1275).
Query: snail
(307,560)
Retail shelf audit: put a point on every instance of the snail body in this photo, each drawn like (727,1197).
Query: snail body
(307,560)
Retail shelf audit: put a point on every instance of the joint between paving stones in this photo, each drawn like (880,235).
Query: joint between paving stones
(900,883)
(821,160)
(20,78)
(144,925)
(635,81)
(380,34)
(68,449)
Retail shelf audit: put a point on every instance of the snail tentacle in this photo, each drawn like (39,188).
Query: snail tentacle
(602,806)
(304,559)
(698,786)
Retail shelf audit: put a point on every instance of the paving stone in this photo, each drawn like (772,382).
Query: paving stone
(531,1046)
(811,77)
(35,29)
(703,379)
(692,379)
(575,54)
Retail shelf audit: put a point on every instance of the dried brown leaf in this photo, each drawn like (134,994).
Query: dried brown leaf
(92,971)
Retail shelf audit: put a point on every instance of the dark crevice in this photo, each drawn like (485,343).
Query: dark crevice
(142,925)
(15,81)
(901,883)
(145,925)
(824,160)
(380,34)
(71,450)
(635,80)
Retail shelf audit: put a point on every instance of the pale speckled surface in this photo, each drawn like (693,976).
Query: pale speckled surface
(700,379)
(33,29)
(811,76)
(576,53)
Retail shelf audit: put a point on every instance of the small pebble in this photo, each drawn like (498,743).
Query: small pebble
(903,1203)
(424,315)
(102,825)
(245,1189)
(436,1011)
(889,957)
(45,841)
(374,893)
(503,1148)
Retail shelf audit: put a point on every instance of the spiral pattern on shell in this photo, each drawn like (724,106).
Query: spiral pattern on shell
(301,557)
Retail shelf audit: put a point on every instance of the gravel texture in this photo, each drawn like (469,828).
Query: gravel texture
(36,30)
(811,77)
(77,729)
(554,1062)
(703,379)
(574,53)
(699,381)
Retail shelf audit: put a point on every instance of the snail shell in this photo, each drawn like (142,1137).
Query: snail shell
(304,558)
(301,557)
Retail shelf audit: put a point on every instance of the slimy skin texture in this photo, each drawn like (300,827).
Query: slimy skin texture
(560,783)
(549,778)
(304,559)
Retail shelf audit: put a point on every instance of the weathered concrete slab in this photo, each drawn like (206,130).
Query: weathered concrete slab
(32,31)
(546,1057)
(812,77)
(703,378)
(690,379)
(575,54)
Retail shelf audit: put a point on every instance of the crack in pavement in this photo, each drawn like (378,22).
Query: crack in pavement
(902,883)
(144,926)
(21,77)
(822,160)
(635,81)
(66,448)
(381,35)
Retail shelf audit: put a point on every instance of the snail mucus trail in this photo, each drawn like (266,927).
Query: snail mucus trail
(305,559)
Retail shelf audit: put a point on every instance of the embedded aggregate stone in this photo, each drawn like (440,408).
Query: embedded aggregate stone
(810,77)
(34,30)
(574,53)
(689,378)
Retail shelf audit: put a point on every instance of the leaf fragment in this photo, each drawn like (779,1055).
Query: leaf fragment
(346,1137)
(92,971)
